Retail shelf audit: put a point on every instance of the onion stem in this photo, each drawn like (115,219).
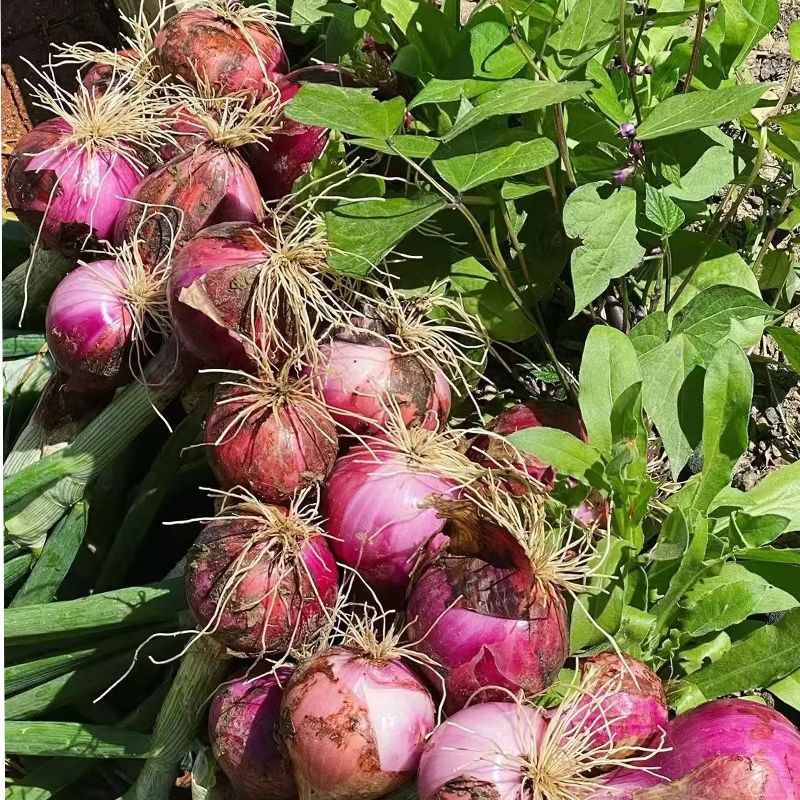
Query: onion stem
(42,274)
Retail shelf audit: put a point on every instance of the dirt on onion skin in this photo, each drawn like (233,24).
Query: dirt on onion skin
(466,789)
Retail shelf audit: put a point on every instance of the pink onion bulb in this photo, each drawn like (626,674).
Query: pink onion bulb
(188,132)
(477,753)
(480,613)
(272,436)
(90,326)
(69,194)
(381,506)
(202,187)
(260,582)
(242,727)
(101,75)
(359,379)
(723,749)
(353,725)
(228,47)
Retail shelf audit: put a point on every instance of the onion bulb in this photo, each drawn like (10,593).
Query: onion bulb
(383,502)
(242,727)
(102,317)
(354,719)
(222,44)
(260,579)
(68,178)
(723,749)
(270,434)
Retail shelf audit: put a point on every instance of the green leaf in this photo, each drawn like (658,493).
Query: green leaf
(475,158)
(609,366)
(605,93)
(707,316)
(607,228)
(756,531)
(788,689)
(727,396)
(483,295)
(776,493)
(700,109)
(662,210)
(411,146)
(789,342)
(770,653)
(517,96)
(720,601)
(672,392)
(650,333)
(746,23)
(348,110)
(440,90)
(17,344)
(794,40)
(74,739)
(590,25)
(771,555)
(362,233)
(560,449)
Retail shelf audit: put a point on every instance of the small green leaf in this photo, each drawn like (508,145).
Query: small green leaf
(650,333)
(474,158)
(608,368)
(408,145)
(727,396)
(589,26)
(788,689)
(794,40)
(756,531)
(700,109)
(353,111)
(770,653)
(565,452)
(362,233)
(789,342)
(439,90)
(662,210)
(517,96)
(607,228)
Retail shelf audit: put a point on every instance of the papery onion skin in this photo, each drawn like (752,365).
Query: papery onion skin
(242,727)
(723,749)
(381,513)
(210,291)
(471,755)
(268,611)
(89,327)
(623,701)
(203,187)
(69,197)
(354,727)
(488,625)
(359,378)
(274,455)
(197,42)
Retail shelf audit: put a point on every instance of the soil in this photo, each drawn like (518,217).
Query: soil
(770,61)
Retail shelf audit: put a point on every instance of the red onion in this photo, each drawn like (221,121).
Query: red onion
(102,74)
(187,132)
(477,753)
(226,46)
(722,750)
(242,726)
(382,504)
(623,701)
(98,314)
(68,193)
(353,723)
(259,579)
(482,613)
(271,435)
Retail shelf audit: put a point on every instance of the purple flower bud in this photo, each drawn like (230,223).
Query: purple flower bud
(647,69)
(627,130)
(620,176)
(636,148)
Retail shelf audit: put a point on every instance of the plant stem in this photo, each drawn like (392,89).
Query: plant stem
(698,40)
(624,65)
(42,275)
(723,219)
(74,740)
(773,229)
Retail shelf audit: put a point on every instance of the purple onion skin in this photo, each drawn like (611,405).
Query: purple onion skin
(487,625)
(99,77)
(274,455)
(269,610)
(289,153)
(209,185)
(723,750)
(210,289)
(471,755)
(89,327)
(242,727)
(88,190)
(625,702)
(354,727)
(198,42)
(380,515)
(187,133)
(358,378)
